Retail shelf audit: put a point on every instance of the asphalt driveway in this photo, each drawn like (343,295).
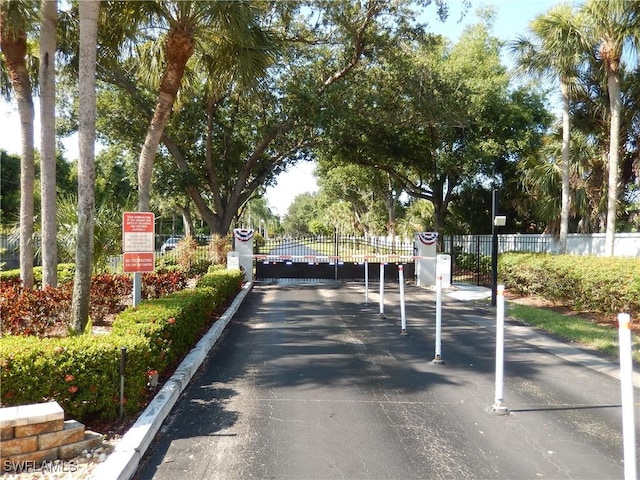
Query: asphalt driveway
(310,383)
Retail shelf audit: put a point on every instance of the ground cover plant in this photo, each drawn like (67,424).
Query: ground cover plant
(575,328)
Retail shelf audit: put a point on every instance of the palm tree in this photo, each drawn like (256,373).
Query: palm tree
(49,14)
(188,21)
(612,24)
(555,52)
(16,19)
(88,14)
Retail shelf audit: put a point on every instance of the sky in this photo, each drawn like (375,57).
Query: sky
(512,19)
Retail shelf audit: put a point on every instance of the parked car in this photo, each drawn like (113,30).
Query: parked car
(170,244)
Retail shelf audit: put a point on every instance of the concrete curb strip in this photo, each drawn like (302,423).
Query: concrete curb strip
(123,462)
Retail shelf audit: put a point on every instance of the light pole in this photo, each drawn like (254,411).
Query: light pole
(496,221)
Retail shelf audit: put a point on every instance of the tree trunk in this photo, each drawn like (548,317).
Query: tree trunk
(566,138)
(49,14)
(13,43)
(179,48)
(89,10)
(187,221)
(613,82)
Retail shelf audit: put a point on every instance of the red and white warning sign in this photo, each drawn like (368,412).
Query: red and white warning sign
(138,232)
(138,262)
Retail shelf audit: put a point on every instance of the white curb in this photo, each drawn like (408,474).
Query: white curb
(123,462)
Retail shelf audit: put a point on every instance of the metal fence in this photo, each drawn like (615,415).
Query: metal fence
(471,254)
(346,247)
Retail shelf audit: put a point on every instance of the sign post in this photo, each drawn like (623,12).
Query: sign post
(138,246)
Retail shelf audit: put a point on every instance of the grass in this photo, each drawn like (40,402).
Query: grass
(573,328)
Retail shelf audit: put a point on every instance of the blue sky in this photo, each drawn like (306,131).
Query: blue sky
(512,19)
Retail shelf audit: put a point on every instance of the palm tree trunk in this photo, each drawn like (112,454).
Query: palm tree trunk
(613,82)
(13,43)
(89,10)
(49,9)
(566,138)
(179,48)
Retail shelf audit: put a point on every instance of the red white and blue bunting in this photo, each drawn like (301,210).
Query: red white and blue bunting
(428,238)
(243,234)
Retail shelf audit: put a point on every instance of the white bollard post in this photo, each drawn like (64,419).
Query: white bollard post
(628,402)
(403,316)
(498,406)
(381,289)
(366,282)
(438,353)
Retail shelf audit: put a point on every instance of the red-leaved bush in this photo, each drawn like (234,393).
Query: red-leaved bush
(26,311)
(47,311)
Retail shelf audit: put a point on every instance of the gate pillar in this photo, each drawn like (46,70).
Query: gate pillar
(425,243)
(243,245)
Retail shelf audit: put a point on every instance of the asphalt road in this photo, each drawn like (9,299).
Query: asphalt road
(309,383)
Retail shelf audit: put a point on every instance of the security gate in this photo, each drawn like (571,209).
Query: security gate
(333,257)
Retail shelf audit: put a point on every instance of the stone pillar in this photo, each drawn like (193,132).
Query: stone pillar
(426,243)
(243,244)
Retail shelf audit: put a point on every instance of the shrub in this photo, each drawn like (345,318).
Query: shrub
(218,248)
(107,294)
(598,284)
(228,282)
(32,311)
(473,262)
(157,284)
(170,323)
(66,272)
(186,251)
(81,373)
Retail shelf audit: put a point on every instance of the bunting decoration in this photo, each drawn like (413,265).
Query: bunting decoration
(243,234)
(428,238)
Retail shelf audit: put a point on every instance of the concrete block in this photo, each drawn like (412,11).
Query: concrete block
(18,446)
(73,432)
(38,428)
(6,433)
(8,416)
(91,440)
(38,413)
(36,457)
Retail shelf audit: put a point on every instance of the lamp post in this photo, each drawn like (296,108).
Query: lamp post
(496,221)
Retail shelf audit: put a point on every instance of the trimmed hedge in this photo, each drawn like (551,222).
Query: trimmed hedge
(82,372)
(66,272)
(606,285)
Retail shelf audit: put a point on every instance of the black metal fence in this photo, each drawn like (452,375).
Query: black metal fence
(471,254)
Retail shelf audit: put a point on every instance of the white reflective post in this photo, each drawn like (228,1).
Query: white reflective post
(403,316)
(438,353)
(498,405)
(626,387)
(366,282)
(381,289)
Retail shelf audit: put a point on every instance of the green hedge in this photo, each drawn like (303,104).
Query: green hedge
(227,281)
(605,285)
(66,272)
(82,373)
(171,324)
